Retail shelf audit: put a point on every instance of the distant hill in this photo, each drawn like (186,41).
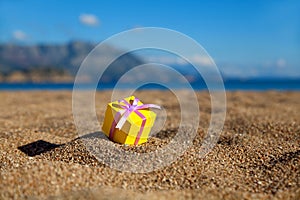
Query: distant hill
(56,62)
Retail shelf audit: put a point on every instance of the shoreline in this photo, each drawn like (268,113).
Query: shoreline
(229,84)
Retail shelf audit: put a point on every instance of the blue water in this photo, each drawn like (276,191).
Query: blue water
(233,84)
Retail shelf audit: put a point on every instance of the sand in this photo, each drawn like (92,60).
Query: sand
(257,155)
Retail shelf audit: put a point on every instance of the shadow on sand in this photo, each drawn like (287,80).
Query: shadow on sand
(37,147)
(40,146)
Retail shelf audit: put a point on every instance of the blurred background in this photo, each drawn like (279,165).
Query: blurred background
(255,44)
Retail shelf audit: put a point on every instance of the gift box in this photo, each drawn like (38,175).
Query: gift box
(129,121)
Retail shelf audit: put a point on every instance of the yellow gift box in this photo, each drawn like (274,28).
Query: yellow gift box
(129,121)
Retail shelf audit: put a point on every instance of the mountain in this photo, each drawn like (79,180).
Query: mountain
(47,61)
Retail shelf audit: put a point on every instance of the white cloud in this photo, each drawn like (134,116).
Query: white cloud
(19,35)
(137,28)
(169,60)
(202,60)
(280,63)
(89,19)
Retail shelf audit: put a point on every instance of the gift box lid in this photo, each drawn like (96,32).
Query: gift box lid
(134,118)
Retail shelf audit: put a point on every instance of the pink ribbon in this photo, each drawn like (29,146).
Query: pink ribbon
(121,116)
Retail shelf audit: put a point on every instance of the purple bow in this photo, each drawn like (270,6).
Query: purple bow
(129,108)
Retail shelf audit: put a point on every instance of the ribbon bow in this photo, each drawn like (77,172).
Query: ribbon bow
(129,108)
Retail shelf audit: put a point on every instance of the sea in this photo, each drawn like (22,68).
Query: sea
(230,85)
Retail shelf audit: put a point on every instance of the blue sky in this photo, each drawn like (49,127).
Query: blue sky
(260,36)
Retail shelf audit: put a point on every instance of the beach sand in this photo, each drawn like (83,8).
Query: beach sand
(257,155)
